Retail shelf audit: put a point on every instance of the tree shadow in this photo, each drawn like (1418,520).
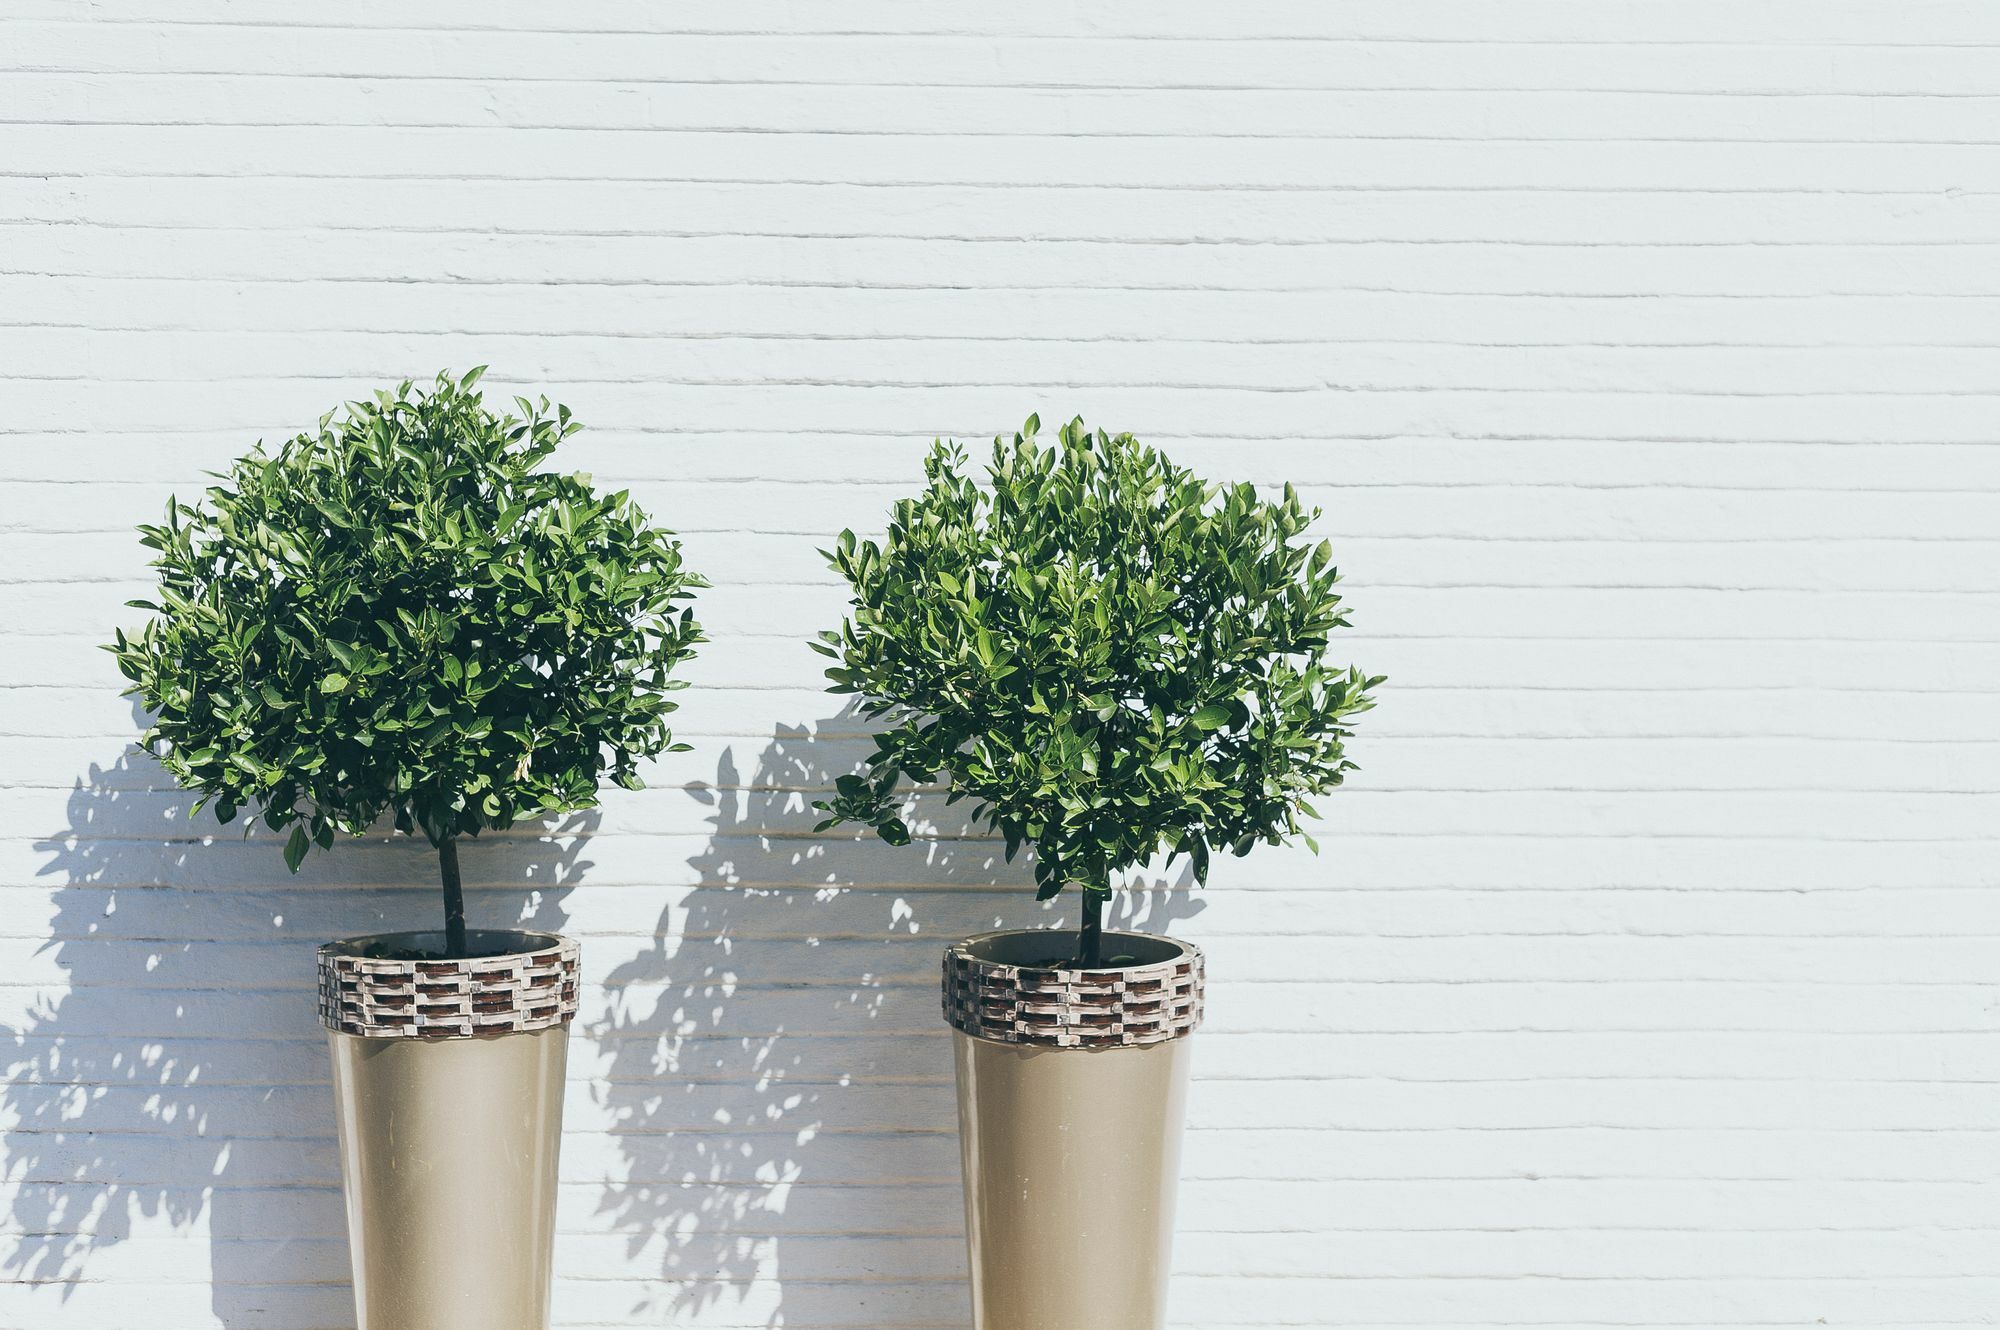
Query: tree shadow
(182,1075)
(775,1067)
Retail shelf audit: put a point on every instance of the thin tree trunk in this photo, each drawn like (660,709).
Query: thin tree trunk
(454,899)
(1090,933)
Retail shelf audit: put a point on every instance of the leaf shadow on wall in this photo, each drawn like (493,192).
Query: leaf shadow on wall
(776,1072)
(182,1077)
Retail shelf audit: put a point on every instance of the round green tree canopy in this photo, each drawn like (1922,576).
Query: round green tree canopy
(1110,656)
(398,614)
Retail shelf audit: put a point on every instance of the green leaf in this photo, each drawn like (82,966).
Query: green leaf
(1212,717)
(296,846)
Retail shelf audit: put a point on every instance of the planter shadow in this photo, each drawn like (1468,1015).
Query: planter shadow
(775,1069)
(181,1080)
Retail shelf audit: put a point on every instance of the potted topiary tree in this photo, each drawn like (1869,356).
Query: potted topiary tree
(1113,660)
(398,617)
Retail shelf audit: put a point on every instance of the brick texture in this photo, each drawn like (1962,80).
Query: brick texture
(1640,355)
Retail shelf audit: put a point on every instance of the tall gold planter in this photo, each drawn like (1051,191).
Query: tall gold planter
(1072,1089)
(448,1090)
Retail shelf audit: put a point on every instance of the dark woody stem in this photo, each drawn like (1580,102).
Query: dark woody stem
(454,899)
(1090,933)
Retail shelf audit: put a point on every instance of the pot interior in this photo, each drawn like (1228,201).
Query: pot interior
(1044,948)
(428,943)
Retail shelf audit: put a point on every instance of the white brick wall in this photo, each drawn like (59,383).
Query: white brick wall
(1640,353)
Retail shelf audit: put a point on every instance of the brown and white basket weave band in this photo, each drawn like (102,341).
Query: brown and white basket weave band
(1064,1008)
(405,999)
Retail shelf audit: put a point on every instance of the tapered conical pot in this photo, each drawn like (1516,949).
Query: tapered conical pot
(448,1090)
(1072,1089)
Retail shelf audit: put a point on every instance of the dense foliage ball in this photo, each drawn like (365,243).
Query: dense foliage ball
(1110,656)
(397,613)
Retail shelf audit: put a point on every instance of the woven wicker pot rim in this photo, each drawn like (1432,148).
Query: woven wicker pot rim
(525,941)
(1050,1004)
(527,981)
(1063,940)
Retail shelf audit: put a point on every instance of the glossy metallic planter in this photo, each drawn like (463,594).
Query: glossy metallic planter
(1070,1130)
(449,1137)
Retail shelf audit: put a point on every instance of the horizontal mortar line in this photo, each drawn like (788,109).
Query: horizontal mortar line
(745,1283)
(1148,339)
(1548,1276)
(73,785)
(808,935)
(795,733)
(663,1080)
(660,1079)
(867,987)
(864,731)
(1351,587)
(1968,1034)
(773,381)
(1779,1229)
(239,177)
(963,288)
(974,34)
(992,847)
(1539,587)
(351,77)
(1371,787)
(744,991)
(709,737)
(1487,1324)
(1177,439)
(630,436)
(641,1039)
(53,1034)
(83,1280)
(426,888)
(1025,239)
(960,887)
(1614,1128)
(1334,836)
(1892,639)
(1546,586)
(1161,385)
(197,487)
(1575,1226)
(817,685)
(705,947)
(658,1306)
(790,1132)
(1018,892)
(73,950)
(988,37)
(753,130)
(1868,489)
(953,1184)
(941,1180)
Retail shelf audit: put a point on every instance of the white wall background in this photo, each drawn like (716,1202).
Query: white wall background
(1641,355)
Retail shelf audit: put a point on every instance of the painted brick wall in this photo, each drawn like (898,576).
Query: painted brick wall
(1641,355)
